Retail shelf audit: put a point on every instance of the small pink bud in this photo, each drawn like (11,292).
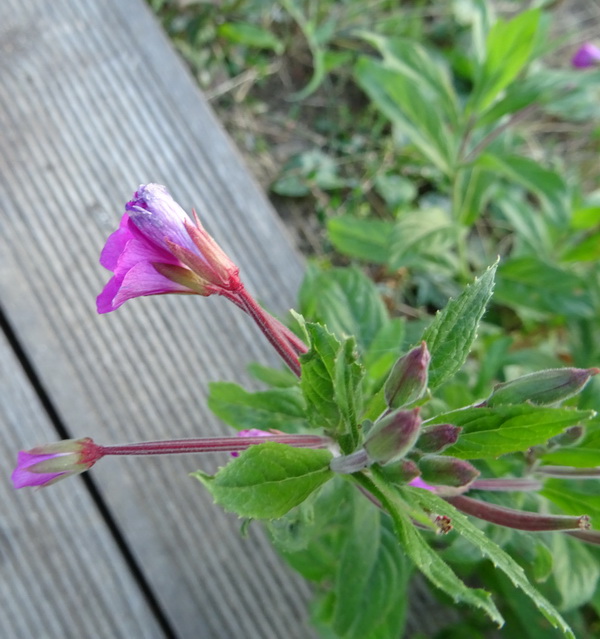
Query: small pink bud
(447,471)
(45,465)
(408,380)
(403,471)
(543,387)
(392,437)
(588,55)
(436,438)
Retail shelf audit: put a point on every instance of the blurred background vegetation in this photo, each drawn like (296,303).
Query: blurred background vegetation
(407,145)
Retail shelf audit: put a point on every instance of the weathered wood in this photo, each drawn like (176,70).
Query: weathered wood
(93,101)
(61,573)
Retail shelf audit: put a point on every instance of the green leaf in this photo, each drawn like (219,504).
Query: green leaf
(330,381)
(509,46)
(544,287)
(489,549)
(428,560)
(413,61)
(384,350)
(576,572)
(570,496)
(547,185)
(347,302)
(582,457)
(281,408)
(587,250)
(250,35)
(366,239)
(371,577)
(267,480)
(348,394)
(420,235)
(412,107)
(491,432)
(278,377)
(451,334)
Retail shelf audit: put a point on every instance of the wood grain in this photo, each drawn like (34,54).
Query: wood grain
(93,101)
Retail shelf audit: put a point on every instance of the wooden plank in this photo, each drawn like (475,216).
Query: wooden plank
(61,574)
(92,102)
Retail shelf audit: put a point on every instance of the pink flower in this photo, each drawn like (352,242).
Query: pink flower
(419,483)
(48,464)
(588,55)
(157,249)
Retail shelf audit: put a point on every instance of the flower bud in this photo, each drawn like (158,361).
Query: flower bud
(47,464)
(588,55)
(348,464)
(447,471)
(408,380)
(401,472)
(542,388)
(569,437)
(393,436)
(436,438)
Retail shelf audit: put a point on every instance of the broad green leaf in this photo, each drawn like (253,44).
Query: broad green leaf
(429,562)
(384,350)
(278,377)
(371,579)
(582,457)
(421,235)
(356,563)
(509,46)
(451,334)
(474,193)
(576,572)
(250,35)
(547,185)
(282,408)
(414,62)
(489,549)
(347,386)
(412,107)
(544,287)
(585,218)
(347,302)
(491,432)
(268,480)
(570,497)
(587,250)
(318,377)
(366,239)
(311,536)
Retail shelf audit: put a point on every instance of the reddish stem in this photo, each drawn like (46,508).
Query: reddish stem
(212,445)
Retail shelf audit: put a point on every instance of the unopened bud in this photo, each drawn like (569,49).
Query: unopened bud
(393,436)
(408,380)
(543,387)
(348,464)
(447,471)
(569,437)
(401,472)
(436,438)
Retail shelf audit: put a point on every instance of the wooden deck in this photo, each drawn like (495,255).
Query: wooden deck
(93,102)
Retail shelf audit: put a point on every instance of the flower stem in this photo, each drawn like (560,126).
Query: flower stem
(506,485)
(282,339)
(212,445)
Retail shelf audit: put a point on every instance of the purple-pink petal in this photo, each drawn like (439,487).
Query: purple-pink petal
(22,476)
(419,483)
(158,217)
(587,55)
(132,260)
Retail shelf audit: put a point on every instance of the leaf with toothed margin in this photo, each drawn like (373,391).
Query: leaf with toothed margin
(267,480)
(501,560)
(451,334)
